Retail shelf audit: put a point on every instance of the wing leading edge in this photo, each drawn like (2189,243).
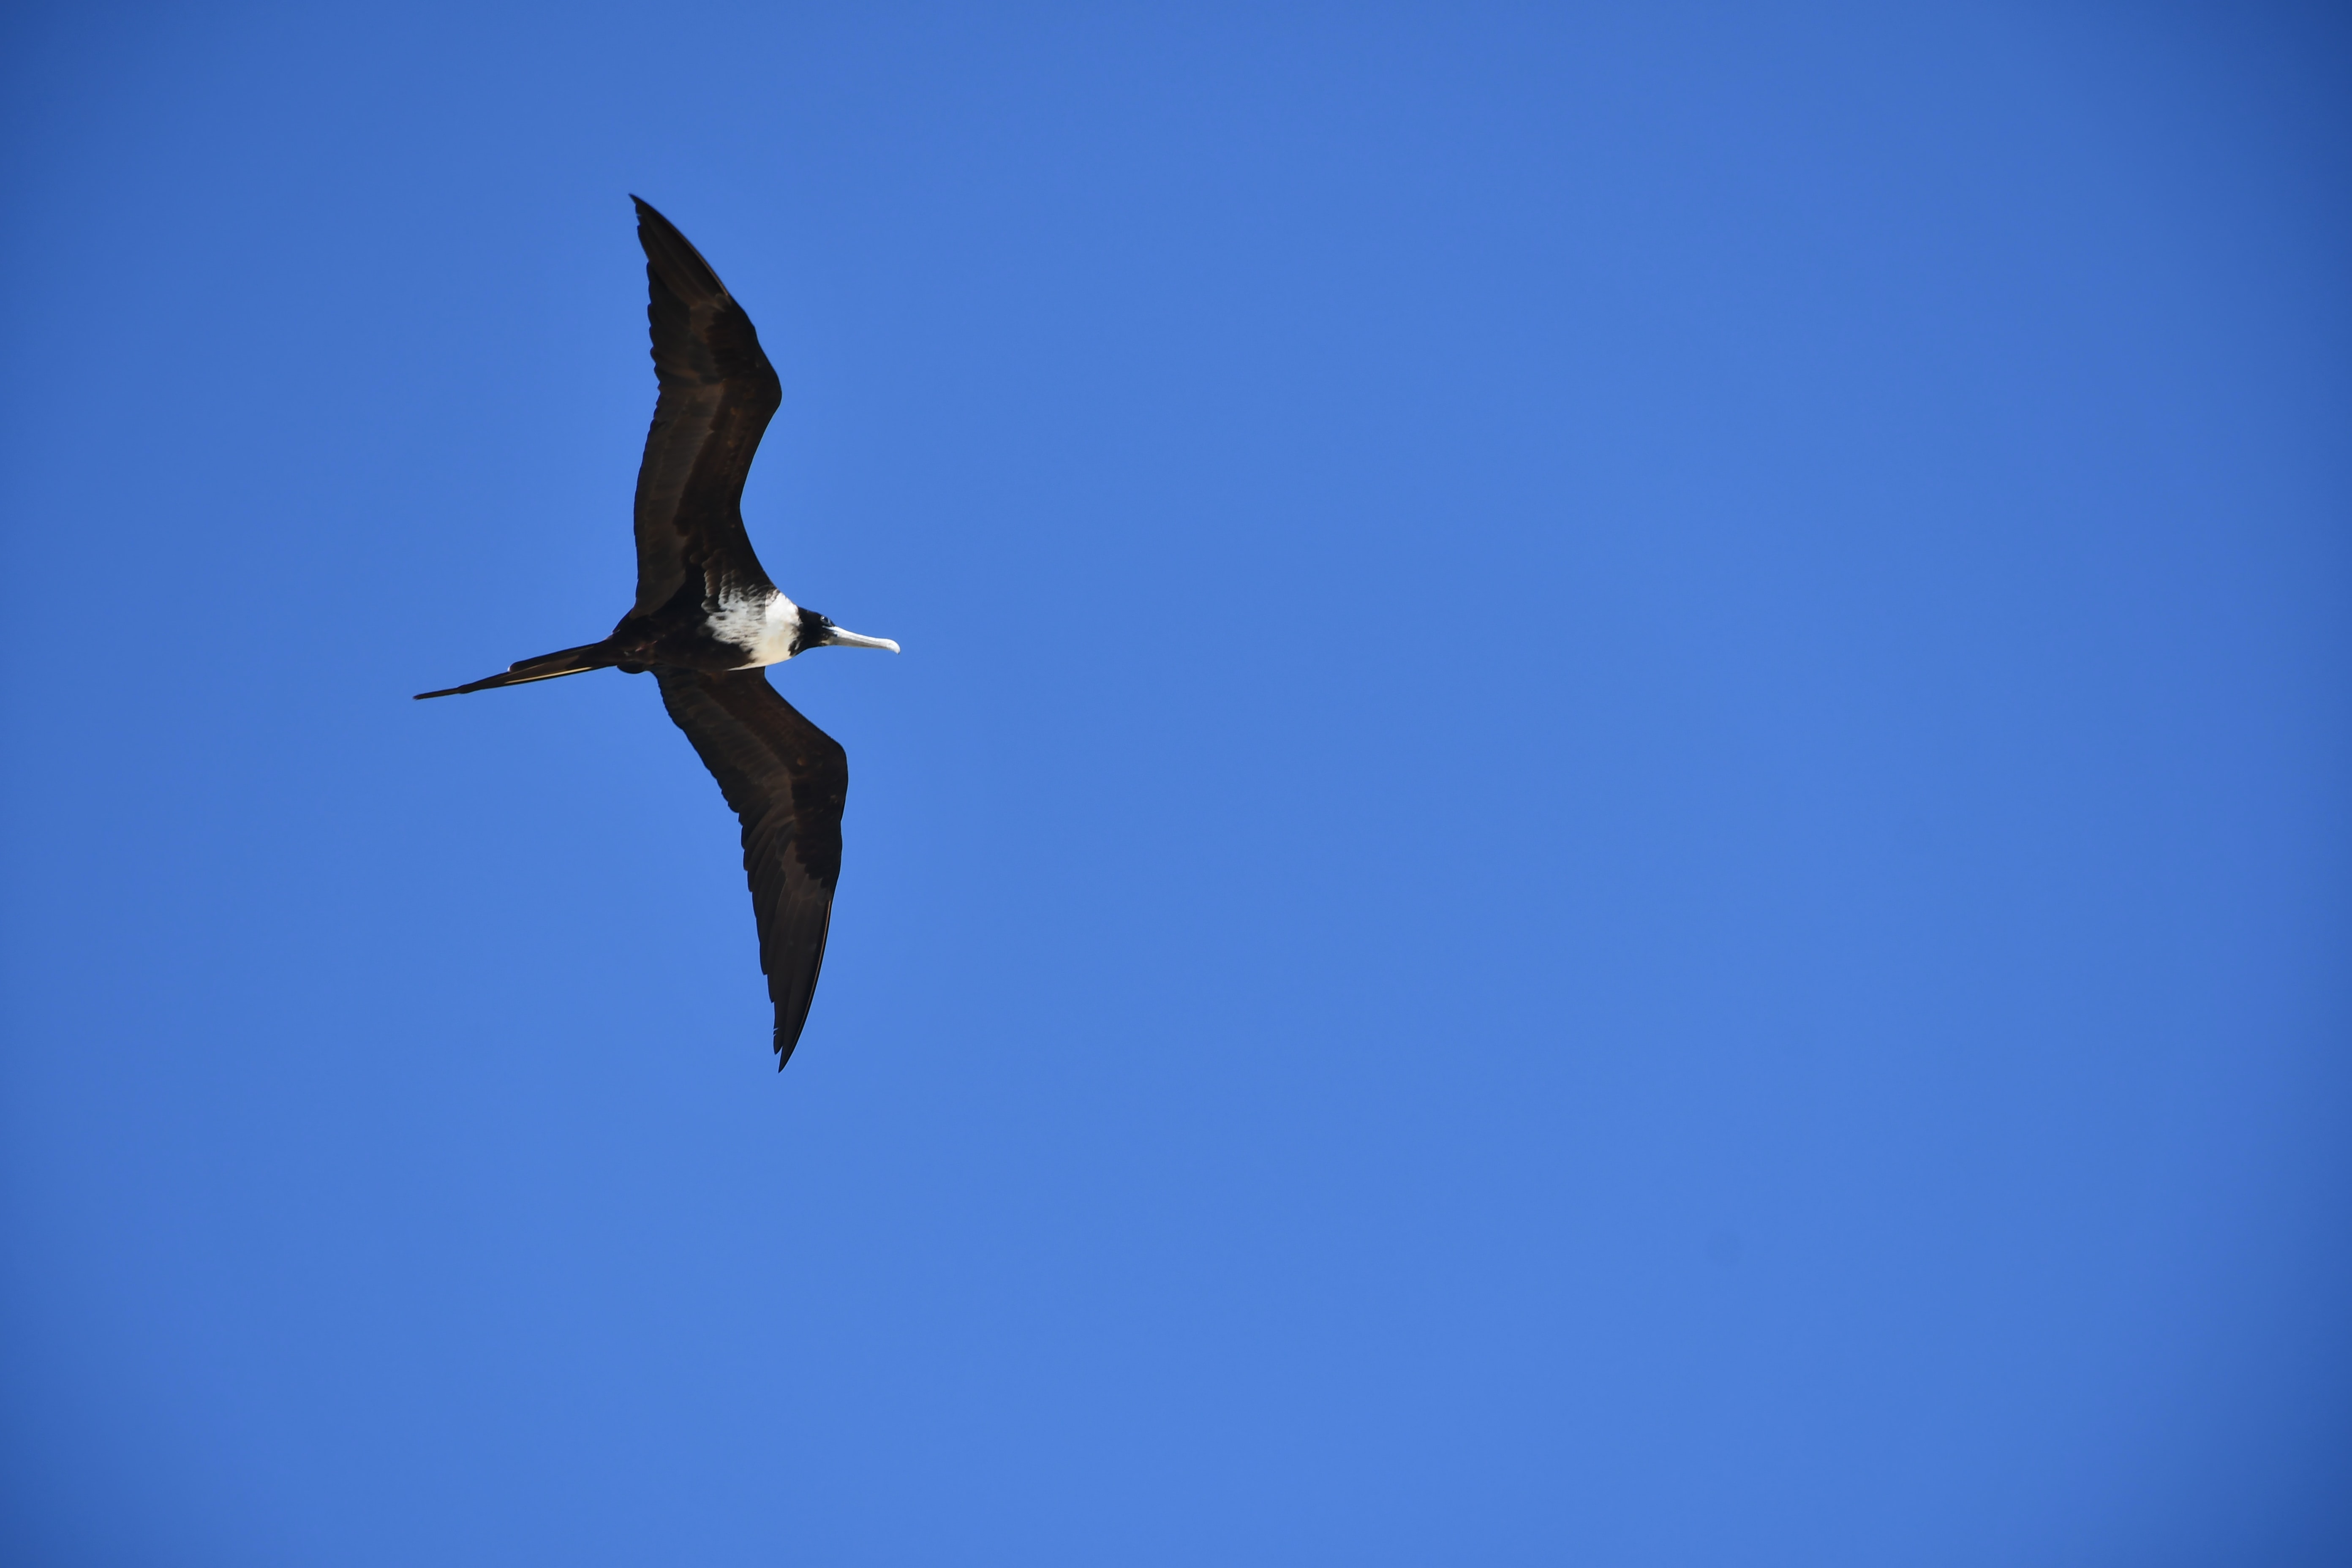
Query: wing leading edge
(786,780)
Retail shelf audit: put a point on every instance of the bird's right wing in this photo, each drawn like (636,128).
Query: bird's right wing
(718,393)
(786,780)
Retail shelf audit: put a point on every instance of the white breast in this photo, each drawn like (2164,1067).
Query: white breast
(762,625)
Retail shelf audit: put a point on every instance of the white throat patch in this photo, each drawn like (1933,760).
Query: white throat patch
(762,625)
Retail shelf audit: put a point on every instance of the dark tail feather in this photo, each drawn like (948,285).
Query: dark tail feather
(546,666)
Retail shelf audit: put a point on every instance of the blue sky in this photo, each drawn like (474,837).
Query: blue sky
(1613,831)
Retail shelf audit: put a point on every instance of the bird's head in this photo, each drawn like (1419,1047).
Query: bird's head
(817,631)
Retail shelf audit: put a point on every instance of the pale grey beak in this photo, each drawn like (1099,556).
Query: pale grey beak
(835,636)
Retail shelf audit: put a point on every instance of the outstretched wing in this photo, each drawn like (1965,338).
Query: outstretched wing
(786,779)
(718,393)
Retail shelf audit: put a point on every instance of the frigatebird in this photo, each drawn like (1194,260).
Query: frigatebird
(707,621)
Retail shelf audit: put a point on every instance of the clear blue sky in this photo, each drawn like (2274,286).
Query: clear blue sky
(1614,831)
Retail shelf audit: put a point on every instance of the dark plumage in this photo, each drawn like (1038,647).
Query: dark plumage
(718,394)
(706,618)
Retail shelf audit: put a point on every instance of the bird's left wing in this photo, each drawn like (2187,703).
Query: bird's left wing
(786,780)
(718,391)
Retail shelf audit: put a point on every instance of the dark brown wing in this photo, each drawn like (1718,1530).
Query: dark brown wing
(786,779)
(718,393)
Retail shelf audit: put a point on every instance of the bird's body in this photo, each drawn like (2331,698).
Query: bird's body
(707,619)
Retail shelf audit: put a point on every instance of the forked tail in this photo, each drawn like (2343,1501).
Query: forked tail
(546,666)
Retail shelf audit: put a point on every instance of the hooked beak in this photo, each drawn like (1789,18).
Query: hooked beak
(836,638)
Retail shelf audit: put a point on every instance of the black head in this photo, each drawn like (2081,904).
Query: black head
(818,631)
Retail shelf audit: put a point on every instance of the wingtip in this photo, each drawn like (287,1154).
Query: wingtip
(673,258)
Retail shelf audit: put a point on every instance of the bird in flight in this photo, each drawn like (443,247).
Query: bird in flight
(707,621)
